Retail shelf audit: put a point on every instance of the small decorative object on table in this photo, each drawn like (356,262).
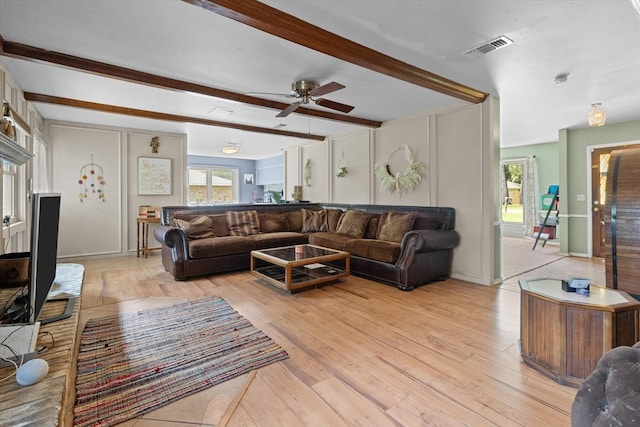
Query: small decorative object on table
(577,285)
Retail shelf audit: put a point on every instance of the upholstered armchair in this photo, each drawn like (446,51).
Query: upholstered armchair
(610,396)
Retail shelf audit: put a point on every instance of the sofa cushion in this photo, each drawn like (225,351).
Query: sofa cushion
(220,246)
(394,225)
(278,239)
(372,227)
(353,223)
(197,228)
(273,222)
(220,226)
(329,240)
(379,250)
(243,223)
(313,221)
(333,218)
(295,220)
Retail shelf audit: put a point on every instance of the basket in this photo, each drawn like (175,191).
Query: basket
(14,269)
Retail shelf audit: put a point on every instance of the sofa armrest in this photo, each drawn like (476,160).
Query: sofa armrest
(430,240)
(174,238)
(417,241)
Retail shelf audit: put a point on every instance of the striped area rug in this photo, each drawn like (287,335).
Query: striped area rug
(131,364)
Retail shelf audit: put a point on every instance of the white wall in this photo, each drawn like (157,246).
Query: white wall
(356,149)
(459,149)
(106,226)
(464,180)
(89,225)
(292,168)
(317,189)
(171,147)
(389,140)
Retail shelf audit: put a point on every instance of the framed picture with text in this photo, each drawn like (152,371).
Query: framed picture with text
(154,176)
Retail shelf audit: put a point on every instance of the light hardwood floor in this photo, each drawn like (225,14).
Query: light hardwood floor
(361,353)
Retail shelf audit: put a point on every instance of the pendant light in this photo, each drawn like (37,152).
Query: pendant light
(597,116)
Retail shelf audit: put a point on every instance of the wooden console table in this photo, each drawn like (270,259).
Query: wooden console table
(563,334)
(143,235)
(44,403)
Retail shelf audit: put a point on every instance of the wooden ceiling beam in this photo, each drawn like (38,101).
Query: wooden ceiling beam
(275,22)
(114,109)
(25,52)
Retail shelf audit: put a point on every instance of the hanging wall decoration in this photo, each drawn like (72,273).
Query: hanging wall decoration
(342,167)
(401,181)
(91,181)
(155,143)
(307,173)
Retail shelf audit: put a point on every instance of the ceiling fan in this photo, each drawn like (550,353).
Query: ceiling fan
(308,90)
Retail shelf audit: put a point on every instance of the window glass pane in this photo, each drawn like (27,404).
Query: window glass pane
(8,190)
(513,209)
(212,185)
(197,186)
(222,185)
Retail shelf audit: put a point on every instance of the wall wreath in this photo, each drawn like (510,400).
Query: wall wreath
(401,181)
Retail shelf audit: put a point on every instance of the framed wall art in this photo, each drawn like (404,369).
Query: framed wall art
(154,176)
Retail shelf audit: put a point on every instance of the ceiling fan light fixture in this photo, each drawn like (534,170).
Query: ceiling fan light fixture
(230,149)
(597,116)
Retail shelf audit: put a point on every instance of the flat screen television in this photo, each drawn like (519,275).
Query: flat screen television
(45,221)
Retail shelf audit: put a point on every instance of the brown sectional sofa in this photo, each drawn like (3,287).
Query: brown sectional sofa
(405,246)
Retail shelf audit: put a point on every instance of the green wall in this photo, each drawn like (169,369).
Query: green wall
(565,162)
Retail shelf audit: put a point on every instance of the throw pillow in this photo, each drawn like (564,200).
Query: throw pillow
(273,222)
(354,223)
(333,218)
(243,223)
(396,225)
(314,221)
(198,228)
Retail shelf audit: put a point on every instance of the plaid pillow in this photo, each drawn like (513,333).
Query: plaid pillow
(243,223)
(314,220)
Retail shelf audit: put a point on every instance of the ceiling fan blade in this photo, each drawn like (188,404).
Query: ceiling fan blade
(287,95)
(290,109)
(334,105)
(325,89)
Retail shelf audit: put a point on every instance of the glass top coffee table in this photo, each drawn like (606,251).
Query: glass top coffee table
(298,267)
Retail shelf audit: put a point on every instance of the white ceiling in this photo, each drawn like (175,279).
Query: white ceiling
(595,42)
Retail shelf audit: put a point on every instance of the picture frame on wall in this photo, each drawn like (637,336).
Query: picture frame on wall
(248,178)
(154,176)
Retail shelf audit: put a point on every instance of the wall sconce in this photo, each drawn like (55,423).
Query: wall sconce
(597,116)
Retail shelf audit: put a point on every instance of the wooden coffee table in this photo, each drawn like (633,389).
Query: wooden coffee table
(563,334)
(294,268)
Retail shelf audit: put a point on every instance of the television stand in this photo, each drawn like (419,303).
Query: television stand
(49,402)
(68,311)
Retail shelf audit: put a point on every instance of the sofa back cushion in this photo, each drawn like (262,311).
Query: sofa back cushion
(394,225)
(314,221)
(426,223)
(197,228)
(354,223)
(273,222)
(243,223)
(220,224)
(295,220)
(372,227)
(333,218)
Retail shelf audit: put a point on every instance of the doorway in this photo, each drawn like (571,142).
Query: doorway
(599,167)
(517,196)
